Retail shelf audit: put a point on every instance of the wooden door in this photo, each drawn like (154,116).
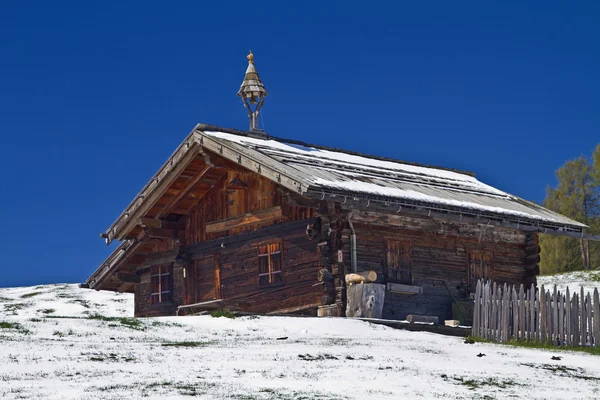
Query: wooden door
(201,280)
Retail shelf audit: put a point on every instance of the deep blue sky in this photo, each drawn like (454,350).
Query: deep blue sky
(95,97)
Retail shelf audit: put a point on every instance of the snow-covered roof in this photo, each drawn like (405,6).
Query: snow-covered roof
(333,171)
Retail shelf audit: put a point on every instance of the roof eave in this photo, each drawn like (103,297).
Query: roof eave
(366,201)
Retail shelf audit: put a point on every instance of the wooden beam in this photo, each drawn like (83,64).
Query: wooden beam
(183,192)
(162,233)
(164,257)
(130,278)
(200,249)
(125,287)
(150,222)
(244,220)
(160,223)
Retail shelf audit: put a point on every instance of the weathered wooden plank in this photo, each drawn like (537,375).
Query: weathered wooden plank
(124,277)
(575,319)
(543,316)
(476,328)
(183,192)
(561,319)
(245,220)
(522,310)
(589,322)
(505,313)
(596,315)
(582,318)
(555,316)
(515,314)
(568,319)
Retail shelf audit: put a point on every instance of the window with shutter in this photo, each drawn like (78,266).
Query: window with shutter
(397,260)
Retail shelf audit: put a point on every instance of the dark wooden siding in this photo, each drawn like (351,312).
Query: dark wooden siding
(228,198)
(239,272)
(143,303)
(438,257)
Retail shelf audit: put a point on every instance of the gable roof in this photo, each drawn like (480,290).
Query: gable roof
(319,172)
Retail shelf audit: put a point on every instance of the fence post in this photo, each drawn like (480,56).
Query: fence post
(554,316)
(596,318)
(486,305)
(543,315)
(514,306)
(582,318)
(574,317)
(561,319)
(521,312)
(568,324)
(588,312)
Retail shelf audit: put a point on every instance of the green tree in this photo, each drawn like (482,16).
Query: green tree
(576,196)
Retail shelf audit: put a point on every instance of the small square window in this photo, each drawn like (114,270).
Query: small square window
(161,284)
(270,264)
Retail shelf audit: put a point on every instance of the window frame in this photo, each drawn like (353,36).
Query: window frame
(403,259)
(271,282)
(157,273)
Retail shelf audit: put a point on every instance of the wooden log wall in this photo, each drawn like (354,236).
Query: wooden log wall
(239,272)
(438,256)
(235,194)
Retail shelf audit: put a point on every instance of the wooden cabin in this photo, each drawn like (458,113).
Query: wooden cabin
(251,221)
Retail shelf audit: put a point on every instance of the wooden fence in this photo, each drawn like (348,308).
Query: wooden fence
(503,312)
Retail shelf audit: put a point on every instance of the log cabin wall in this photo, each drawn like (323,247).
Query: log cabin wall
(235,194)
(439,255)
(144,304)
(232,272)
(239,271)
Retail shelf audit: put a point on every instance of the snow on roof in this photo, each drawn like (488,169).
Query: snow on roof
(344,172)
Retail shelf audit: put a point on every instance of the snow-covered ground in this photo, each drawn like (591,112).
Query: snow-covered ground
(62,342)
(590,280)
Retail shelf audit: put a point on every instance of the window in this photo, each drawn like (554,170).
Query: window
(161,284)
(480,267)
(270,264)
(397,261)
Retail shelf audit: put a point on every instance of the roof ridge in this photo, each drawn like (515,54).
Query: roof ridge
(264,135)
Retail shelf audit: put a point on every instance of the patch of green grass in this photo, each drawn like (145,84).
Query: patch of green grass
(9,325)
(225,314)
(561,370)
(170,324)
(473,384)
(4,299)
(28,295)
(83,303)
(539,345)
(47,310)
(132,323)
(63,334)
(110,357)
(13,307)
(35,320)
(14,325)
(187,344)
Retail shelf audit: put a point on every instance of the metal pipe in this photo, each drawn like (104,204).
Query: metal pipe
(352,244)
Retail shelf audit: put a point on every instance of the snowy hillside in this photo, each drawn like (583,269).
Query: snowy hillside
(62,342)
(590,280)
